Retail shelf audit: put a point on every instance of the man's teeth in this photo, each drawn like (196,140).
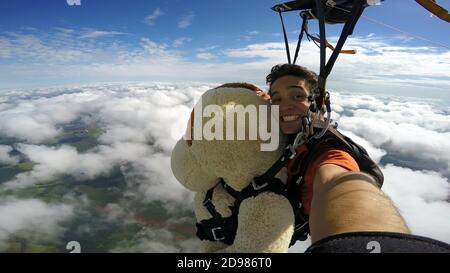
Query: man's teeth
(290,118)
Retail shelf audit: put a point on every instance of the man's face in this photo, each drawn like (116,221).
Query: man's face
(291,94)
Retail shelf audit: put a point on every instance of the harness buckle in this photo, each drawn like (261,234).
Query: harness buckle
(217,238)
(257,187)
(293,152)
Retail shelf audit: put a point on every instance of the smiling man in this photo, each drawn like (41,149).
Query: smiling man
(333,181)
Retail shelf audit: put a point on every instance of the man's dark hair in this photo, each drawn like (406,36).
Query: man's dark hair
(281,70)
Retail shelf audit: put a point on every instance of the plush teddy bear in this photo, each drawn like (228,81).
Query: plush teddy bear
(265,222)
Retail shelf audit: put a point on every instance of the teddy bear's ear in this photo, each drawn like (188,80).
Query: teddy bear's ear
(187,169)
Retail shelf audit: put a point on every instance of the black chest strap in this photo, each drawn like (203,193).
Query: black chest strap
(217,228)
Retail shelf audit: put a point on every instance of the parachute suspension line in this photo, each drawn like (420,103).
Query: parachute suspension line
(327,66)
(405,33)
(409,34)
(285,38)
(323,54)
(320,99)
(303,30)
(321,96)
(347,30)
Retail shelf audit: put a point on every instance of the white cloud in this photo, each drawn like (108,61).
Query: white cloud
(422,198)
(37,120)
(208,48)
(57,46)
(51,162)
(205,56)
(155,182)
(375,153)
(31,219)
(60,56)
(28,128)
(181,41)
(186,21)
(410,131)
(250,35)
(31,48)
(5,158)
(151,18)
(98,33)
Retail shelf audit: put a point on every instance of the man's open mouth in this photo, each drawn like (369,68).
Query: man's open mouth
(289,118)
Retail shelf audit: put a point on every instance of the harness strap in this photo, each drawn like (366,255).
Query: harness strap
(304,29)
(325,69)
(265,178)
(214,229)
(224,229)
(209,205)
(275,186)
(217,228)
(347,30)
(229,189)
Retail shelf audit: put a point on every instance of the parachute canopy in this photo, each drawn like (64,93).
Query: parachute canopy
(335,12)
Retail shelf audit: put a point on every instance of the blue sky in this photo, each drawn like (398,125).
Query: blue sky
(49,42)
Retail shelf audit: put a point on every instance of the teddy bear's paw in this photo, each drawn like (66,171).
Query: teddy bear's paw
(265,224)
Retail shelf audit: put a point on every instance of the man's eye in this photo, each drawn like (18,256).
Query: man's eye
(300,97)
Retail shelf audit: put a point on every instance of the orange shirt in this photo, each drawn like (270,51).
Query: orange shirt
(327,156)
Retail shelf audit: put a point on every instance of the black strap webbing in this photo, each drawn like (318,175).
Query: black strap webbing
(276,167)
(300,37)
(285,38)
(209,205)
(347,30)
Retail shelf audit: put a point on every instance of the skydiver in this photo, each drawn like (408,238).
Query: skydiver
(346,208)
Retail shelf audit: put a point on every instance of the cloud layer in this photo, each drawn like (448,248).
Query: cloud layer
(137,126)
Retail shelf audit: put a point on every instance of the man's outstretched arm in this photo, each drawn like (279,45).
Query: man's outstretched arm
(346,201)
